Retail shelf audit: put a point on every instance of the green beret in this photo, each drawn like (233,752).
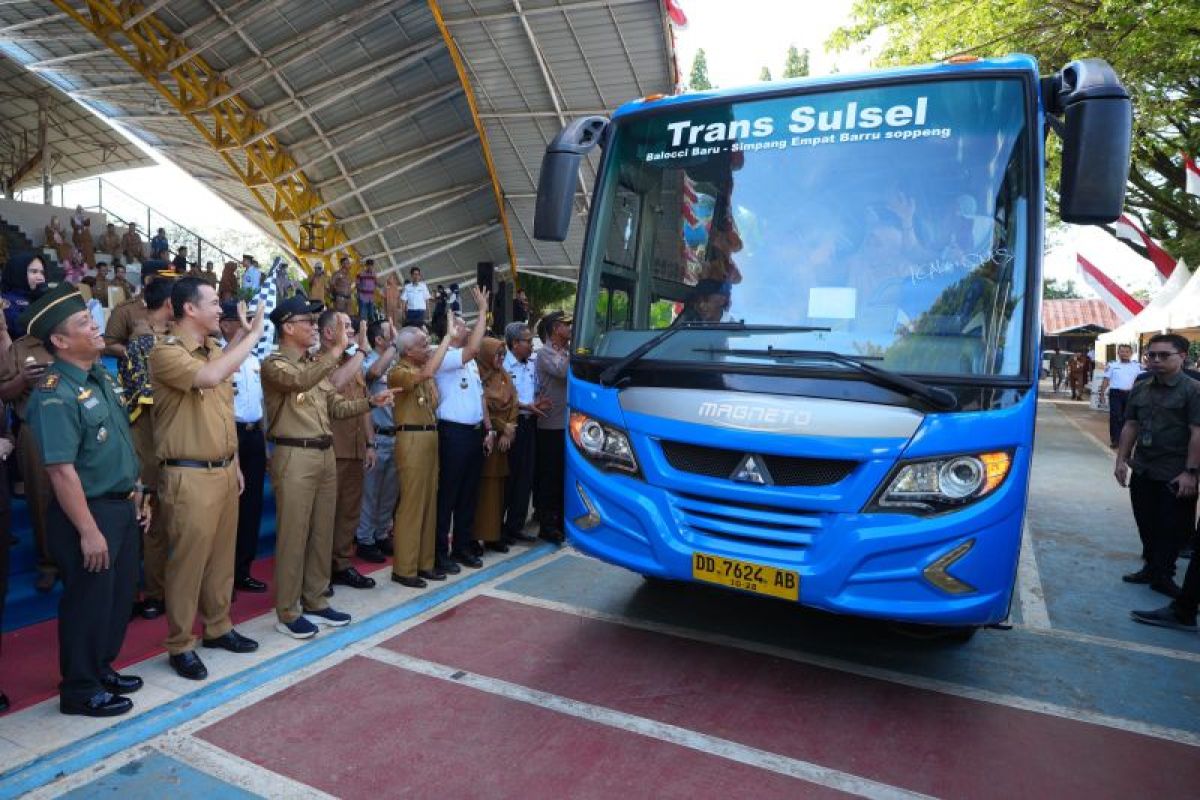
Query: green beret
(53,307)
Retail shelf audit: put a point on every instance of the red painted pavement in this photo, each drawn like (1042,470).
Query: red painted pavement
(29,666)
(367,729)
(922,740)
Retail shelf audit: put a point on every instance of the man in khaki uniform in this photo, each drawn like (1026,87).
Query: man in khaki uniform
(300,401)
(413,535)
(353,441)
(196,444)
(21,367)
(132,331)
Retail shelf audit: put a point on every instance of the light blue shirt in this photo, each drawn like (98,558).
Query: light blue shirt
(252,279)
(247,391)
(381,416)
(523,376)
(460,389)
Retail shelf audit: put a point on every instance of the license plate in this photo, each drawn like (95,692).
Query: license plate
(747,576)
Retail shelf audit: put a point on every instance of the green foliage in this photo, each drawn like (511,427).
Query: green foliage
(765,75)
(546,294)
(1154,45)
(796,65)
(1051,290)
(698,79)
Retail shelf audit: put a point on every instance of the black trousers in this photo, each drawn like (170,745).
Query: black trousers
(252,456)
(1164,522)
(460,463)
(1117,398)
(5,536)
(550,467)
(95,606)
(1189,598)
(522,457)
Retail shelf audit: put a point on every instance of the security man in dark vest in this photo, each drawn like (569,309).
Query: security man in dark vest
(82,432)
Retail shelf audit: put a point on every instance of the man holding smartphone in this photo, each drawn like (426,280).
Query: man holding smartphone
(1160,441)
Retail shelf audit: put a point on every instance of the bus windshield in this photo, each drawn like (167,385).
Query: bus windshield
(888,223)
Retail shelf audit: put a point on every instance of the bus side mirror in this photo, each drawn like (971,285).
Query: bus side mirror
(560,173)
(1096,136)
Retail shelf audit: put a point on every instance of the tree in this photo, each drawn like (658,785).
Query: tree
(698,80)
(796,65)
(765,75)
(546,294)
(1052,291)
(1154,48)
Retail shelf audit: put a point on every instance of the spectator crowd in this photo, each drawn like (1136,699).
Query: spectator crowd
(390,428)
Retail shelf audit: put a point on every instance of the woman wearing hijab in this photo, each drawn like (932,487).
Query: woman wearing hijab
(23,281)
(81,236)
(500,396)
(57,238)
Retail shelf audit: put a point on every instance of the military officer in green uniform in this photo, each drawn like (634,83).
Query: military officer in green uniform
(82,432)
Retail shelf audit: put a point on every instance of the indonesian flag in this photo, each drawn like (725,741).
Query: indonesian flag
(678,18)
(1128,230)
(1120,301)
(1192,171)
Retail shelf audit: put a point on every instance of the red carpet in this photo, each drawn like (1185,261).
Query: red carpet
(29,664)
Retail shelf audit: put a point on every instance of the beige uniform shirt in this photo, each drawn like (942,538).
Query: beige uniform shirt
(417,404)
(128,320)
(349,435)
(190,423)
(299,398)
(12,361)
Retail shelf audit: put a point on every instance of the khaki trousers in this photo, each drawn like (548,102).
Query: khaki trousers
(154,538)
(201,508)
(415,528)
(349,507)
(37,496)
(305,482)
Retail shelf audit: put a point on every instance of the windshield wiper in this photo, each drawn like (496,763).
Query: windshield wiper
(935,395)
(614,370)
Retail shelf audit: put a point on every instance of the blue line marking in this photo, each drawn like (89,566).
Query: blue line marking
(85,753)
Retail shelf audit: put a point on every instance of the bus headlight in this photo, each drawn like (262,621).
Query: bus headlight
(943,484)
(602,444)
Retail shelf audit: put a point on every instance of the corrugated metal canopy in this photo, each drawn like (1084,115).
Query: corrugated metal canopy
(367,106)
(81,145)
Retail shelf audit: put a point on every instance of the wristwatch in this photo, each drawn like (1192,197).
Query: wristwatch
(352,349)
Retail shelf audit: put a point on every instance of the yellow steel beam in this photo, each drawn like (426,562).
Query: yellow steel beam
(270,173)
(469,92)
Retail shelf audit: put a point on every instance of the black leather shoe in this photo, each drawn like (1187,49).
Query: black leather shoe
(448,567)
(152,609)
(499,547)
(234,642)
(371,553)
(352,578)
(435,575)
(101,705)
(115,683)
(468,560)
(1143,575)
(475,548)
(1166,586)
(385,546)
(412,582)
(249,584)
(188,665)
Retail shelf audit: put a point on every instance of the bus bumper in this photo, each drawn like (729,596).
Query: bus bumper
(871,565)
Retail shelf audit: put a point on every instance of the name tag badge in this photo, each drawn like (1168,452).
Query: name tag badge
(91,402)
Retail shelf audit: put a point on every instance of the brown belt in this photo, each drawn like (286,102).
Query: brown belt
(320,443)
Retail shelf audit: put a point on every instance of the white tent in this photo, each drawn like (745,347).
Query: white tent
(1184,310)
(1153,317)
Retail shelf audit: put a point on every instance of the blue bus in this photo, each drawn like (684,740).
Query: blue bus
(806,342)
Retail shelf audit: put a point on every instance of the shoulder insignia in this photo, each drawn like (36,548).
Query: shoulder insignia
(49,382)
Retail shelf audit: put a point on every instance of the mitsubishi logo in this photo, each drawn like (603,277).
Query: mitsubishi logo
(751,470)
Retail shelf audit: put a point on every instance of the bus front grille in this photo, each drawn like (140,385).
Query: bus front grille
(716,462)
(766,526)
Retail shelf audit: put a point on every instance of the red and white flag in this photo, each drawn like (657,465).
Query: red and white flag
(1191,168)
(1127,229)
(1125,305)
(678,18)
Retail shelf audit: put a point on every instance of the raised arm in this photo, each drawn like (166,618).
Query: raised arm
(471,348)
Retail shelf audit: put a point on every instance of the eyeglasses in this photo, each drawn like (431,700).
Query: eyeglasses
(309,320)
(1160,355)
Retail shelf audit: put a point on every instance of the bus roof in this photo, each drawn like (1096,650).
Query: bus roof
(1016,61)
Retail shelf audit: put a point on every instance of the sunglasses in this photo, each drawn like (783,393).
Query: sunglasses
(1160,355)
(309,320)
